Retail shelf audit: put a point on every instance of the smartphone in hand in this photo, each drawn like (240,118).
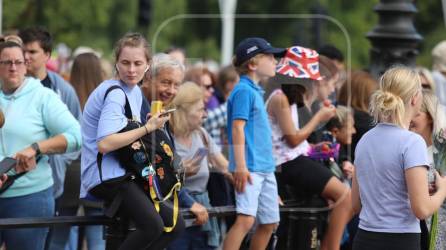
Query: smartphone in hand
(200,153)
(167,112)
(7,164)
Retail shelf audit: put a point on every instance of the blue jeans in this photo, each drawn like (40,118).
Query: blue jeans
(65,237)
(40,204)
(191,239)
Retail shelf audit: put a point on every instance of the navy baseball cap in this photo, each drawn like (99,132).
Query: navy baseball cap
(252,46)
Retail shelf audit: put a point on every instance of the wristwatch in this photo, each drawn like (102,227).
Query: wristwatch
(36,148)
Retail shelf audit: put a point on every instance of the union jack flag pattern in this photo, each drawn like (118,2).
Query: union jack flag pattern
(300,62)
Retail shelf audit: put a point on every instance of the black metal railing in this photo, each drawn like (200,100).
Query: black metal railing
(116,232)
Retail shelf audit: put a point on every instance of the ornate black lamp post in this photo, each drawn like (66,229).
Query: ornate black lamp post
(394,39)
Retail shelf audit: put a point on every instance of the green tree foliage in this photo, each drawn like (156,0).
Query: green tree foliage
(96,23)
(196,26)
(431,25)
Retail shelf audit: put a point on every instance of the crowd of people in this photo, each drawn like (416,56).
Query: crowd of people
(276,125)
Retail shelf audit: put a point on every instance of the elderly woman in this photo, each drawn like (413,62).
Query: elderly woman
(37,124)
(193,143)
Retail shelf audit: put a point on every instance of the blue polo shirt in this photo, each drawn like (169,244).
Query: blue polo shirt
(246,103)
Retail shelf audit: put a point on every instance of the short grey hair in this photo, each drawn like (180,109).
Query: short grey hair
(163,61)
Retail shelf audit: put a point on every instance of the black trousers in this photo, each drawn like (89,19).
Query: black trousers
(139,209)
(366,240)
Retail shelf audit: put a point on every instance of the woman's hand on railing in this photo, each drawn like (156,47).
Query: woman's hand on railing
(200,213)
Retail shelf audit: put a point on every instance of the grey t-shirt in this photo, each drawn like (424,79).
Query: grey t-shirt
(198,182)
(382,156)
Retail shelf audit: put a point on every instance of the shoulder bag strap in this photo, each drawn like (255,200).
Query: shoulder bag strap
(128,114)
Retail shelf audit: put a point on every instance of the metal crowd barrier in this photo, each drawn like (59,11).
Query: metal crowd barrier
(302,232)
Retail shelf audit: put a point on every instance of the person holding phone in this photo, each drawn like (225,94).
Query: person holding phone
(195,145)
(37,124)
(103,118)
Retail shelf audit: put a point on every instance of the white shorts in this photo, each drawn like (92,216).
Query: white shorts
(260,198)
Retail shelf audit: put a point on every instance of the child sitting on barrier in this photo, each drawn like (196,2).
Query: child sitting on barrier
(342,128)
(290,142)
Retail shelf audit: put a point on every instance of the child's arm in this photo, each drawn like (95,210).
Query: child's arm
(348,168)
(241,173)
(279,108)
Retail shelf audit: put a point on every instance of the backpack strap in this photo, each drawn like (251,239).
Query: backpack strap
(205,140)
(169,134)
(111,210)
(128,110)
(128,114)
(156,202)
(203,137)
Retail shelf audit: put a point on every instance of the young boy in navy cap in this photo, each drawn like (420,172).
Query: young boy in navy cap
(250,154)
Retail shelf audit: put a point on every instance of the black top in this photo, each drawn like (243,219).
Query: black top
(363,123)
(47,82)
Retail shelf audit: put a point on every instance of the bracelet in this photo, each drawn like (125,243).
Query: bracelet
(147,131)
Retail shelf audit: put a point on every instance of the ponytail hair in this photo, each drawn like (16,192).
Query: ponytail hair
(397,87)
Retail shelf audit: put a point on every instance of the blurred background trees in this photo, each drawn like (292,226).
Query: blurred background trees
(98,23)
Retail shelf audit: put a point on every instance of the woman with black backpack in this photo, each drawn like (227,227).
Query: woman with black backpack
(105,132)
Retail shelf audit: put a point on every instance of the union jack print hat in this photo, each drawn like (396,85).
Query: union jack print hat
(300,62)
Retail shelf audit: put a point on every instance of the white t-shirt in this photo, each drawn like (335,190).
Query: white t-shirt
(283,152)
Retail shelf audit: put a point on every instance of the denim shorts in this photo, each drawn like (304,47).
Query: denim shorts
(39,204)
(260,198)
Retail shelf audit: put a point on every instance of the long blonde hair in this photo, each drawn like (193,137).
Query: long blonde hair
(397,87)
(188,94)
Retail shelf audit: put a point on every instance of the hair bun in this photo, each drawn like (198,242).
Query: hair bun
(385,106)
(388,99)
